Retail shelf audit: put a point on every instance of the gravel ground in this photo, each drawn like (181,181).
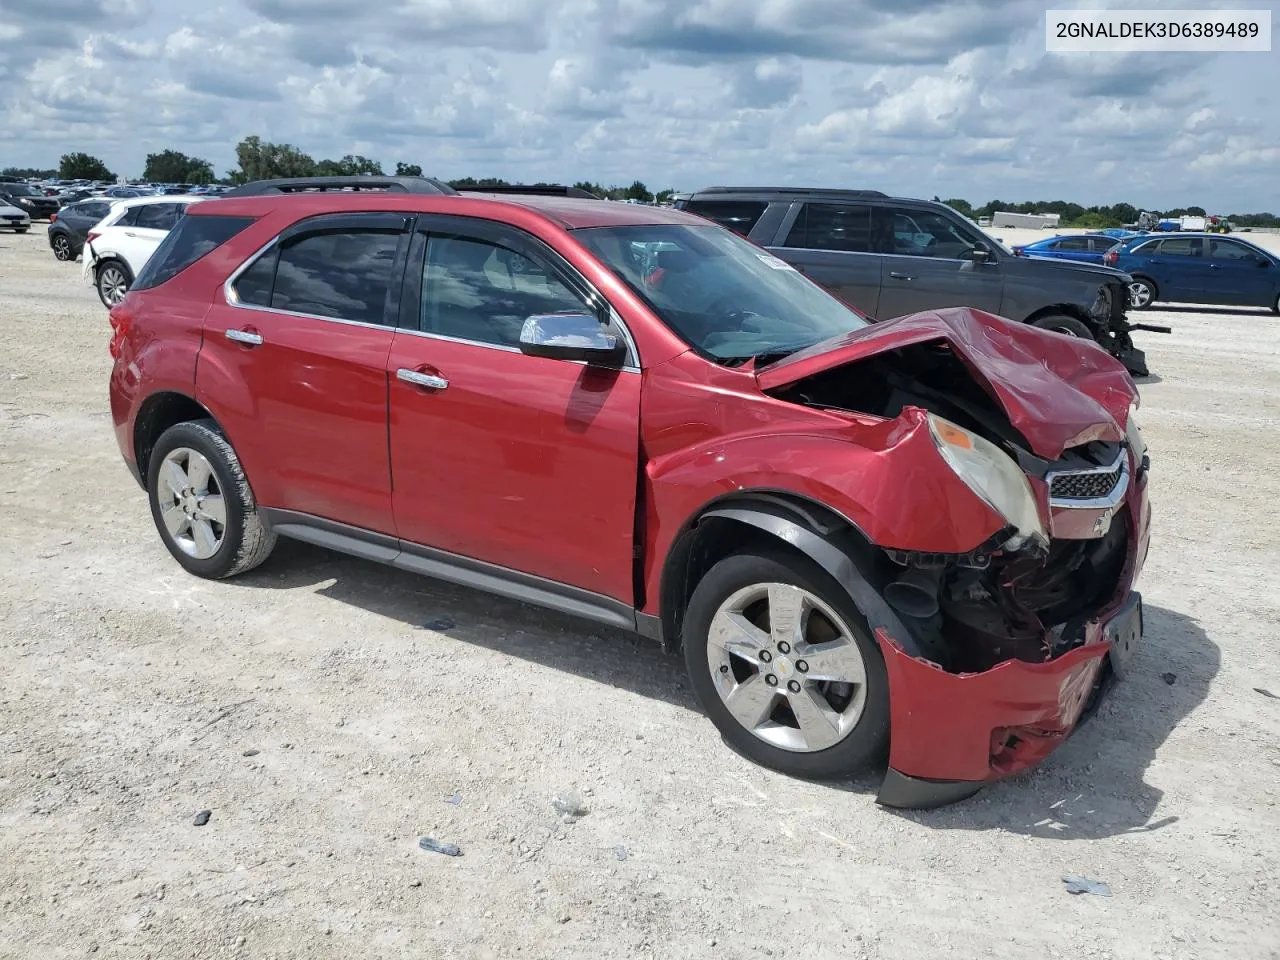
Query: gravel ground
(325,710)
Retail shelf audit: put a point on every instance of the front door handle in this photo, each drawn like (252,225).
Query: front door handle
(247,337)
(419,379)
(900,276)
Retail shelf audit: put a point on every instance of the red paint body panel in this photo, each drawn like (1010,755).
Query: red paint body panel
(306,411)
(521,461)
(1058,391)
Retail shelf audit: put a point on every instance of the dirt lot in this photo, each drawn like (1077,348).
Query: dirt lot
(312,709)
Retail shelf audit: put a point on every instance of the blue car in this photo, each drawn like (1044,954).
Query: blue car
(1198,268)
(1083,248)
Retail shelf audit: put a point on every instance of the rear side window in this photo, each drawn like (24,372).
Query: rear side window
(1180,247)
(159,216)
(345,275)
(832,226)
(740,216)
(186,243)
(1073,243)
(129,218)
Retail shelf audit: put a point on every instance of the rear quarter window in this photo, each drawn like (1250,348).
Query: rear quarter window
(740,216)
(192,238)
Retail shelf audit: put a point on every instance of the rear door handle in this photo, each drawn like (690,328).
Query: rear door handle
(1215,266)
(900,276)
(247,337)
(419,379)
(130,233)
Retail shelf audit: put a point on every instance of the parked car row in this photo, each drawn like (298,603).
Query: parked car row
(916,538)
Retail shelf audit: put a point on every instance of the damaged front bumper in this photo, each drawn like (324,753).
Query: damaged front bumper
(1113,329)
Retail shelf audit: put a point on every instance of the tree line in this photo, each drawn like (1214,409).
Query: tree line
(258,159)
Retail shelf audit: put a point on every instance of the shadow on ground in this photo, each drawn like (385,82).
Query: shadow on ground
(1261,312)
(1092,787)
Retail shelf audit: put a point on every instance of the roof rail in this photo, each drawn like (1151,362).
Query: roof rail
(795,190)
(538,190)
(288,185)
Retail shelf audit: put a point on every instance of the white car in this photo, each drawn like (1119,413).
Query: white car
(13,218)
(118,247)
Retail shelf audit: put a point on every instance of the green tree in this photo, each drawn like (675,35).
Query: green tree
(408,170)
(260,160)
(638,191)
(348,166)
(82,166)
(171,166)
(960,206)
(25,172)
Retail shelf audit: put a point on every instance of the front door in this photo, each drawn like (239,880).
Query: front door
(298,367)
(1237,275)
(831,244)
(1179,269)
(525,463)
(927,264)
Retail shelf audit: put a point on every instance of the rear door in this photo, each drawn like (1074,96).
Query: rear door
(1237,274)
(296,361)
(927,263)
(524,463)
(1079,249)
(830,242)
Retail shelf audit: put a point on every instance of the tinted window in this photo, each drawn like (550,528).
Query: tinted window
(832,226)
(1229,250)
(129,218)
(738,215)
(921,233)
(1180,247)
(343,275)
(474,290)
(159,216)
(93,211)
(718,292)
(254,285)
(191,239)
(1077,244)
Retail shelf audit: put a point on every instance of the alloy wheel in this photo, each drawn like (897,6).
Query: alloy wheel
(113,285)
(787,667)
(1139,293)
(191,504)
(61,248)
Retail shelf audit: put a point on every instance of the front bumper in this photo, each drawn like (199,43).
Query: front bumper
(952,733)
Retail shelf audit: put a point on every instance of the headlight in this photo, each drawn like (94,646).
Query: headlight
(991,474)
(1133,434)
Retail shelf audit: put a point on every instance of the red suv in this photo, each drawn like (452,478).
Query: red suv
(917,537)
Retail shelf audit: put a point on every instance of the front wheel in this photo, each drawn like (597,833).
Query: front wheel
(202,504)
(785,666)
(1061,323)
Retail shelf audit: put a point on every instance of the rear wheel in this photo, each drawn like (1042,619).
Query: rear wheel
(113,282)
(21,229)
(61,247)
(785,666)
(1061,323)
(1142,293)
(202,504)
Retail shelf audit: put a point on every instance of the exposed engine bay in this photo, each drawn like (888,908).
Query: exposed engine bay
(1030,602)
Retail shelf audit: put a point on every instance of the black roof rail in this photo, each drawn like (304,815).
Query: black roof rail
(288,185)
(800,191)
(536,190)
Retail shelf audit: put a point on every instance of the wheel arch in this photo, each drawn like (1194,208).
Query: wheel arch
(778,520)
(156,414)
(1068,310)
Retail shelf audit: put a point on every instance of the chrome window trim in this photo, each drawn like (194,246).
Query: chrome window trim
(1114,499)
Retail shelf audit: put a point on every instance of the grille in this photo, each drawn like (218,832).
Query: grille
(1085,486)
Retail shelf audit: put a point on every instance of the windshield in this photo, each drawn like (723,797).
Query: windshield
(721,294)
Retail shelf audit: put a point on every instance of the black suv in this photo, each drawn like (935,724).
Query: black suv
(888,256)
(28,199)
(71,225)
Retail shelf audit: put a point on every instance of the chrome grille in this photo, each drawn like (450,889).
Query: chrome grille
(1086,486)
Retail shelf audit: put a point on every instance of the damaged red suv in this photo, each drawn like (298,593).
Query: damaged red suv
(916,538)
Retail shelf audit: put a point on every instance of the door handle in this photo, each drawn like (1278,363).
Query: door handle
(900,276)
(419,379)
(130,233)
(247,337)
(1215,266)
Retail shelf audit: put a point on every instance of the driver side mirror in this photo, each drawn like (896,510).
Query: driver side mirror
(571,336)
(981,253)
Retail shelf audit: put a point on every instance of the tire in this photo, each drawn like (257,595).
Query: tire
(112,282)
(1061,323)
(240,541)
(21,229)
(62,247)
(861,734)
(1142,293)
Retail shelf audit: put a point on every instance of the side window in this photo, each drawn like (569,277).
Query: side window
(96,211)
(922,233)
(1180,247)
(191,239)
(253,287)
(129,218)
(832,226)
(157,216)
(344,275)
(1229,250)
(476,290)
(740,216)
(1076,244)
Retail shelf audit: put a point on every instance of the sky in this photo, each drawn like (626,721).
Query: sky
(912,97)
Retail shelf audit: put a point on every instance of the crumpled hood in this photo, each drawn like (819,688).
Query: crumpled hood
(1057,391)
